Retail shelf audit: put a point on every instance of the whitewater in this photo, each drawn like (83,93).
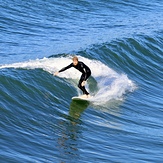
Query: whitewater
(110,85)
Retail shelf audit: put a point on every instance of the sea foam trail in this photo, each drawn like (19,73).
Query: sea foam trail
(110,84)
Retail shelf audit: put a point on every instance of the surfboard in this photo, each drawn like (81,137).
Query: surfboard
(80,98)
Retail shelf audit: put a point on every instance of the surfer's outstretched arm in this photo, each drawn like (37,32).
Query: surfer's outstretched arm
(63,69)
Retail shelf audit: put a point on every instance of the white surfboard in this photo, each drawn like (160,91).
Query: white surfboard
(81,98)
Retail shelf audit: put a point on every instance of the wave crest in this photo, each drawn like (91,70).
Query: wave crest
(108,83)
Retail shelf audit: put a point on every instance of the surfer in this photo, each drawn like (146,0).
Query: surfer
(84,69)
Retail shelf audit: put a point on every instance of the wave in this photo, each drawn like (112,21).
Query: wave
(106,84)
(139,57)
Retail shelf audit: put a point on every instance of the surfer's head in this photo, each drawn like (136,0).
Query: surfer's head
(75,60)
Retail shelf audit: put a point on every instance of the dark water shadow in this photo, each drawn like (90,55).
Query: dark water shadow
(77,108)
(71,132)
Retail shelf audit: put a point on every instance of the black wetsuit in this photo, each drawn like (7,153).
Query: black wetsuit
(86,72)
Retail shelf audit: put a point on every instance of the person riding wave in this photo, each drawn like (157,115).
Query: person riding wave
(84,69)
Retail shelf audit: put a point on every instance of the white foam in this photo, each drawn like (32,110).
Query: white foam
(115,90)
(111,84)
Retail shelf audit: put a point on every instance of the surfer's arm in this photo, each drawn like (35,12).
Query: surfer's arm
(86,71)
(63,69)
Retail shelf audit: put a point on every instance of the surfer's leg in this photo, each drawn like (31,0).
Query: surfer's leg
(82,87)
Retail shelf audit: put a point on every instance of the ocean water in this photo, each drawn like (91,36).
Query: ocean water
(121,42)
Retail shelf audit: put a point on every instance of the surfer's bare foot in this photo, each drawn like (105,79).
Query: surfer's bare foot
(88,96)
(85,96)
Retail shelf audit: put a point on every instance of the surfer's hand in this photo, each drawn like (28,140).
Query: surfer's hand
(56,73)
(83,83)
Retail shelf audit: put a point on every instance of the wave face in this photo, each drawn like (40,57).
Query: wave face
(107,84)
(122,44)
